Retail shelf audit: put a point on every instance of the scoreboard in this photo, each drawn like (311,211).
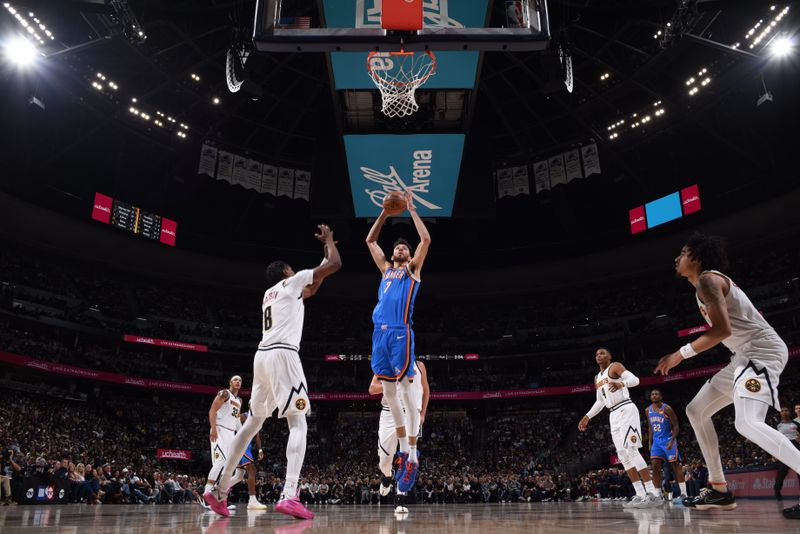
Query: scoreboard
(133,219)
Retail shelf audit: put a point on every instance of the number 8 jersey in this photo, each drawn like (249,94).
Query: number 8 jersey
(283,311)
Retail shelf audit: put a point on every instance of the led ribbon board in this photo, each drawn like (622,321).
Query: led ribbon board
(427,166)
(455,70)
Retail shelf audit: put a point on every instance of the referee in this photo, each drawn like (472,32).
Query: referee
(788,428)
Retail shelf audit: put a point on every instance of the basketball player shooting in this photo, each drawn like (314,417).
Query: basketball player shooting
(393,337)
(612,385)
(749,381)
(278,378)
(388,442)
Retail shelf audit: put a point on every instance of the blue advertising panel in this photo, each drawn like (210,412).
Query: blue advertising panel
(455,70)
(426,166)
(663,210)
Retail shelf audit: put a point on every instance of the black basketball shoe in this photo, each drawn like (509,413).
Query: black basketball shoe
(792,513)
(711,499)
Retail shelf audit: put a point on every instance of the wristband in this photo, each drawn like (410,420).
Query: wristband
(687,351)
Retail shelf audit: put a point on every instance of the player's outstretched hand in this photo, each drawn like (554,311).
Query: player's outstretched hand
(410,202)
(325,233)
(668,362)
(583,424)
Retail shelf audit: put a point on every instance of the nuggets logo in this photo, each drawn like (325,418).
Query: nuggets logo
(753,385)
(216,455)
(633,439)
(300,404)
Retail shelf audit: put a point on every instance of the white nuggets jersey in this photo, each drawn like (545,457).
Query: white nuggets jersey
(604,393)
(747,323)
(416,391)
(282,312)
(228,414)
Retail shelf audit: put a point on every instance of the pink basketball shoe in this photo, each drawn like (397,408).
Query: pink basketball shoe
(293,507)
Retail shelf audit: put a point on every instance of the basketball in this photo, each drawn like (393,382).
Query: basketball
(394,203)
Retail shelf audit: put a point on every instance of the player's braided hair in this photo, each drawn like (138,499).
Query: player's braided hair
(709,250)
(276,272)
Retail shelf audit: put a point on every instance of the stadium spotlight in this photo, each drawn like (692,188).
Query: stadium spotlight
(781,47)
(20,51)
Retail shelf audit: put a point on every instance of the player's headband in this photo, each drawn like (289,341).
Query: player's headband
(234,377)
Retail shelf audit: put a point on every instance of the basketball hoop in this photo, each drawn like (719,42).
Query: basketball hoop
(398,75)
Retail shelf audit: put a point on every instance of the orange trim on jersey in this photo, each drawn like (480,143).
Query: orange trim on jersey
(408,300)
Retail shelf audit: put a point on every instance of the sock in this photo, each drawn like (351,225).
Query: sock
(209,487)
(682,485)
(705,404)
(412,453)
(650,488)
(295,453)
(254,499)
(639,487)
(721,487)
(289,489)
(403,444)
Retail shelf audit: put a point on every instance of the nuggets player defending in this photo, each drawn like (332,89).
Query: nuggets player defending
(664,429)
(393,338)
(223,418)
(278,378)
(750,381)
(387,429)
(611,385)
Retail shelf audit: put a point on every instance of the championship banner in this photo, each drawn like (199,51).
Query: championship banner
(269,180)
(173,454)
(521,184)
(285,182)
(591,160)
(253,175)
(505,183)
(225,167)
(426,166)
(208,160)
(541,173)
(557,174)
(302,184)
(455,70)
(164,343)
(573,163)
(239,171)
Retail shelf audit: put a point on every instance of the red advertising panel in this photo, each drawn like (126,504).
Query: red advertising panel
(173,454)
(101,209)
(334,358)
(761,484)
(638,220)
(690,199)
(694,330)
(471,357)
(165,343)
(169,229)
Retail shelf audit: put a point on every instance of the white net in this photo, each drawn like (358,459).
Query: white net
(398,75)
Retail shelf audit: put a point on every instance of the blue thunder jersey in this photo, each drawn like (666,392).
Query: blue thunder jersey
(659,424)
(396,294)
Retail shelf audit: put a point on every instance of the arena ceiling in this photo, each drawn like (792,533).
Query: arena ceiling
(64,139)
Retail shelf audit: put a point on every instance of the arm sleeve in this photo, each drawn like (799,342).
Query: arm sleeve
(596,408)
(629,379)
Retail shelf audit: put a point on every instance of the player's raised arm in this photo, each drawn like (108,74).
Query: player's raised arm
(426,391)
(372,242)
(619,377)
(424,237)
(330,263)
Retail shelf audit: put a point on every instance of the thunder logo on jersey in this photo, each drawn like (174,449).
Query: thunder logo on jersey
(396,294)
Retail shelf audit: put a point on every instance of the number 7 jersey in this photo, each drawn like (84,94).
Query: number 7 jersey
(283,311)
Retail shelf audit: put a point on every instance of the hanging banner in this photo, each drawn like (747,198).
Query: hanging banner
(521,183)
(269,180)
(557,174)
(253,175)
(239,170)
(285,182)
(591,160)
(208,160)
(541,173)
(225,167)
(505,182)
(573,163)
(302,184)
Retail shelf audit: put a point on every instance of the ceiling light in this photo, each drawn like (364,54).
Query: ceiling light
(215,100)
(20,51)
(781,47)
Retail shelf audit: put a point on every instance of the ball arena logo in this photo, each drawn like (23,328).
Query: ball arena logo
(391,181)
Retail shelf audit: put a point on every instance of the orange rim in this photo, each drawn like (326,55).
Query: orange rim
(417,82)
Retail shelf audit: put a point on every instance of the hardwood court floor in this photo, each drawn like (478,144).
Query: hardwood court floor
(573,518)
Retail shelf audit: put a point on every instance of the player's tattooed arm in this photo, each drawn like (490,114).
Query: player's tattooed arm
(219,400)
